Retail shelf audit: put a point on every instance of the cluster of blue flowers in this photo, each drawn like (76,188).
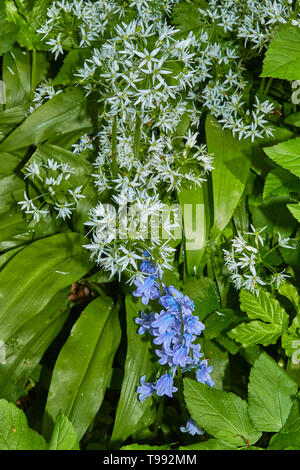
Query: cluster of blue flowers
(175,330)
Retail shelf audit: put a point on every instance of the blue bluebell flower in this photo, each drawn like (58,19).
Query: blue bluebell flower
(145,390)
(192,428)
(175,330)
(147,289)
(202,373)
(164,386)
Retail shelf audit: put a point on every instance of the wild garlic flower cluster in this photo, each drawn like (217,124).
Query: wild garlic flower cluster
(144,74)
(253,21)
(175,330)
(54,180)
(250,262)
(77,23)
(120,234)
(44,92)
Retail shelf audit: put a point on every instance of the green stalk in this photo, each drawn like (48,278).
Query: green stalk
(33,74)
(114,147)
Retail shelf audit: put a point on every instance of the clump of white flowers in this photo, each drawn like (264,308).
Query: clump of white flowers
(253,21)
(76,23)
(249,262)
(44,92)
(54,179)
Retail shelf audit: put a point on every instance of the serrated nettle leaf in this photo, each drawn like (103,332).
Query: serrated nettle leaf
(295,210)
(290,432)
(271,394)
(291,340)
(263,307)
(223,415)
(280,182)
(83,369)
(282,57)
(63,437)
(269,319)
(130,411)
(15,433)
(255,332)
(286,154)
(210,444)
(231,170)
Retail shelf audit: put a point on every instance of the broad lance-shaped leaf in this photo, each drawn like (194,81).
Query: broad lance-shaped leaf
(35,275)
(231,168)
(15,433)
(271,394)
(63,437)
(28,343)
(283,56)
(63,114)
(223,415)
(84,366)
(196,223)
(286,155)
(133,415)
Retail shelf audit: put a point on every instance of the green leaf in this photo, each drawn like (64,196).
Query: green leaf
(131,413)
(210,444)
(145,447)
(271,393)
(290,292)
(63,437)
(72,63)
(263,307)
(15,433)
(283,56)
(27,344)
(269,319)
(290,432)
(223,415)
(272,212)
(219,321)
(63,114)
(295,210)
(8,32)
(84,366)
(255,332)
(50,264)
(232,165)
(17,77)
(279,182)
(196,222)
(204,293)
(286,155)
